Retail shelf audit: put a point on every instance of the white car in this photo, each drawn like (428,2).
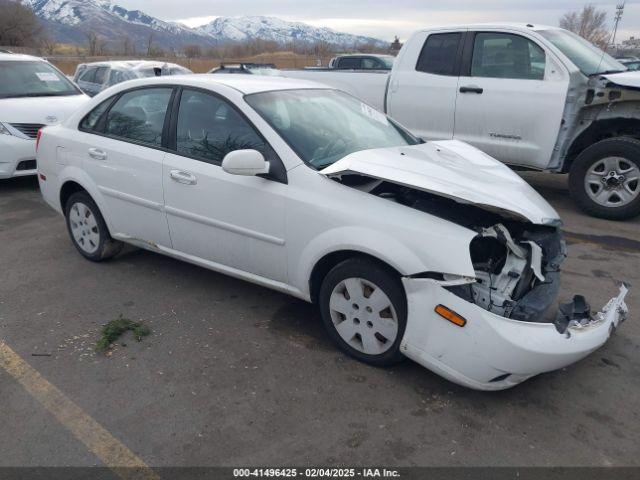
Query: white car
(94,77)
(33,93)
(434,251)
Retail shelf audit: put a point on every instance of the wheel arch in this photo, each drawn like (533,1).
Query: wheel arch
(324,265)
(601,130)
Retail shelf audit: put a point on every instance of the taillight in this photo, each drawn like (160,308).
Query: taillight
(38,139)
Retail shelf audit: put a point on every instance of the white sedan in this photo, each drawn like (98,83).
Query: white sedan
(433,251)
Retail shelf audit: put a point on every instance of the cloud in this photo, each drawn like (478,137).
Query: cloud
(384,18)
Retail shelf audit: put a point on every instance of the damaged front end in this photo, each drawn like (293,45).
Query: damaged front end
(509,326)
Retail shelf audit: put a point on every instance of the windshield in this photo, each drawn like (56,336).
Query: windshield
(323,126)
(586,56)
(33,79)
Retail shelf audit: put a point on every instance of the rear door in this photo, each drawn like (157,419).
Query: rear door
(511,97)
(122,151)
(422,96)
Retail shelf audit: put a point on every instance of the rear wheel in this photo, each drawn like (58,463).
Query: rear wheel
(605,179)
(364,309)
(88,230)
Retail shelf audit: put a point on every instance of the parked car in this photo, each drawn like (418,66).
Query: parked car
(362,62)
(433,251)
(534,97)
(631,65)
(33,93)
(268,69)
(92,78)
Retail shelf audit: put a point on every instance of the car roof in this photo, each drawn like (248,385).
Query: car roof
(245,84)
(129,64)
(17,57)
(363,55)
(509,25)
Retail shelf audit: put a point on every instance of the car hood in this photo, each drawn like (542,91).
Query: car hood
(629,79)
(451,169)
(42,110)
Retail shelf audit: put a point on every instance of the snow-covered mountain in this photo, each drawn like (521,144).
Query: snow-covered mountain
(272,28)
(70,20)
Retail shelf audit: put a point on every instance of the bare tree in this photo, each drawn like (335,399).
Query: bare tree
(589,23)
(127,47)
(48,45)
(92,42)
(192,51)
(19,26)
(149,44)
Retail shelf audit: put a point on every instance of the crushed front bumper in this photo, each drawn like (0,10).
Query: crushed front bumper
(491,352)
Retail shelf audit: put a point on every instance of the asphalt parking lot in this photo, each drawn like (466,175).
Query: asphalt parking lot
(235,374)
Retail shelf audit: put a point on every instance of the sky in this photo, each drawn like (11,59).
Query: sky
(385,18)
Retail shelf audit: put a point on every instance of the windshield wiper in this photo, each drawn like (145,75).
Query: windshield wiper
(40,94)
(607,72)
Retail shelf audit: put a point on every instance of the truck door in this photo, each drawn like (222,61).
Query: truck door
(422,94)
(511,97)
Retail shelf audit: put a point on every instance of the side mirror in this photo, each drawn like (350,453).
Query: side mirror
(245,162)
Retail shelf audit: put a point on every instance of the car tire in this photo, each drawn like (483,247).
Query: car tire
(88,230)
(604,179)
(351,301)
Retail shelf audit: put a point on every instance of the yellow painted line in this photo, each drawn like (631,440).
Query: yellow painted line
(96,438)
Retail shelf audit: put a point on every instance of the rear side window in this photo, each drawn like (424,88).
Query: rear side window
(439,54)
(139,115)
(505,55)
(208,128)
(349,63)
(90,121)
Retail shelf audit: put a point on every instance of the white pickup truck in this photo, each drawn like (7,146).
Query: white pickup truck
(534,97)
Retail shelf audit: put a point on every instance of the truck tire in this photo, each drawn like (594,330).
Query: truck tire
(604,179)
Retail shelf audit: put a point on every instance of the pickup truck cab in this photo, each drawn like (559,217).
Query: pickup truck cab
(534,97)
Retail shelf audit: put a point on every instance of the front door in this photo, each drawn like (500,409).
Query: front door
(235,221)
(511,97)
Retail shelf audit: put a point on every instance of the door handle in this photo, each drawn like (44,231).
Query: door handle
(97,154)
(471,89)
(183,177)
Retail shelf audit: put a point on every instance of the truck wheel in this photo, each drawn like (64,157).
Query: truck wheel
(605,179)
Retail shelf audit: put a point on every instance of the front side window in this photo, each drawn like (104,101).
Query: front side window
(323,126)
(208,128)
(139,115)
(33,79)
(439,54)
(89,75)
(504,55)
(101,75)
(370,64)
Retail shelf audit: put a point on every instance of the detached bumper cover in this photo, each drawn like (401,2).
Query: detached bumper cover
(492,352)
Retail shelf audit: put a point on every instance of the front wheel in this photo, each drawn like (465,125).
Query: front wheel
(605,179)
(88,230)
(364,309)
